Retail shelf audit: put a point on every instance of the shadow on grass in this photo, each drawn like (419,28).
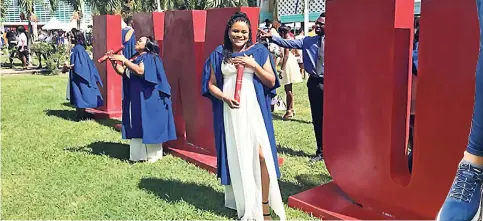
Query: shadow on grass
(70,116)
(64,114)
(291,152)
(304,182)
(108,122)
(114,150)
(194,194)
(277,117)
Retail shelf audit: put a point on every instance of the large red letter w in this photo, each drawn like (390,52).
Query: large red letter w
(366,92)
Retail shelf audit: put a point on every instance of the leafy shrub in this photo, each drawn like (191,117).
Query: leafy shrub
(55,55)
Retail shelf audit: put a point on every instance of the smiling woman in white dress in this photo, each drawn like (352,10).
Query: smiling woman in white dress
(246,148)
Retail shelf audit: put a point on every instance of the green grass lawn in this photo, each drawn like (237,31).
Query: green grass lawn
(55,168)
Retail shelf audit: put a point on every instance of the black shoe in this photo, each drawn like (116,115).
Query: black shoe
(317,158)
(84,116)
(136,162)
(89,116)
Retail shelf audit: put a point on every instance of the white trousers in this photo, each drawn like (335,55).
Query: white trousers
(149,152)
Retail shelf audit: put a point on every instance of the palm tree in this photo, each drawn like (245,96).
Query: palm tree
(127,7)
(105,7)
(3,9)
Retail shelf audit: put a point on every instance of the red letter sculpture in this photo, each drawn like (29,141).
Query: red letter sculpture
(107,36)
(366,95)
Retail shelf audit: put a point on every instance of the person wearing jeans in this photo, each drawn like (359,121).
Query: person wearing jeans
(464,198)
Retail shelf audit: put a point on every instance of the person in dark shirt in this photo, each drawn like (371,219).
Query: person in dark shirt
(12,44)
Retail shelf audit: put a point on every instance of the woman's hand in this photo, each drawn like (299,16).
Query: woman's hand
(117,57)
(245,60)
(232,103)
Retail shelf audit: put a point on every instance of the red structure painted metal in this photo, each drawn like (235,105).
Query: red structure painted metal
(367,64)
(107,36)
(183,63)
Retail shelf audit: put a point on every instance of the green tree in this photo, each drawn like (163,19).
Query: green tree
(128,7)
(105,7)
(3,8)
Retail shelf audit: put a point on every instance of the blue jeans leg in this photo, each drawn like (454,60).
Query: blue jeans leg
(464,198)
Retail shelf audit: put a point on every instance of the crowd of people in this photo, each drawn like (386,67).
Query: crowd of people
(17,41)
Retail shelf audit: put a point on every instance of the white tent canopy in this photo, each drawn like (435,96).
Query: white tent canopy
(55,24)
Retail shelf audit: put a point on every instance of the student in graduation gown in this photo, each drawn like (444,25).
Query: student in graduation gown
(84,79)
(128,38)
(147,117)
(244,136)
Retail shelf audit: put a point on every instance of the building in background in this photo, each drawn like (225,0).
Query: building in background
(292,11)
(417,7)
(63,13)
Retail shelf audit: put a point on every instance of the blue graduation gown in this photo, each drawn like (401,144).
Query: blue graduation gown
(415,58)
(129,43)
(264,97)
(84,79)
(149,95)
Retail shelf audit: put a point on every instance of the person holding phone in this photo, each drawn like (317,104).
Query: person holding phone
(313,59)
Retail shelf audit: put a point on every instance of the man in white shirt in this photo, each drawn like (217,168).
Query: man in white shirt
(22,46)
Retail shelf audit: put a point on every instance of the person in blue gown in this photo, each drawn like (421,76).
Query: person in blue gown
(247,159)
(128,38)
(84,79)
(147,117)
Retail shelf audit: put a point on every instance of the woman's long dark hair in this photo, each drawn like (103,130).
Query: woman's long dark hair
(227,46)
(79,38)
(151,46)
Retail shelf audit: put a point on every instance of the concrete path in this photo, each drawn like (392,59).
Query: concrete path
(6,71)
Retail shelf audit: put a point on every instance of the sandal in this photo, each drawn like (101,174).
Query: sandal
(267,214)
(289,115)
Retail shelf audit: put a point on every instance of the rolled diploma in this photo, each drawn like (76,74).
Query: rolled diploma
(239,80)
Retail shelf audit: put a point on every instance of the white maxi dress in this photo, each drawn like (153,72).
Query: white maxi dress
(245,132)
(139,151)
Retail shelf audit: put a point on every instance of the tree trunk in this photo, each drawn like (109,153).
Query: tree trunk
(274,9)
(81,16)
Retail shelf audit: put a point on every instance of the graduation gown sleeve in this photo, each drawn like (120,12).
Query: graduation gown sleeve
(214,61)
(129,42)
(156,107)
